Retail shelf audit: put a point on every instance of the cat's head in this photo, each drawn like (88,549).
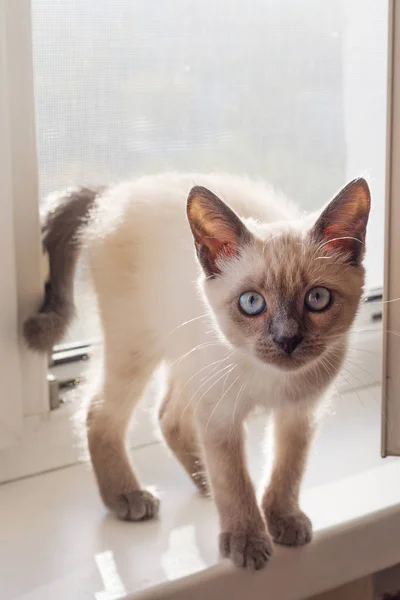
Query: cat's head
(284,293)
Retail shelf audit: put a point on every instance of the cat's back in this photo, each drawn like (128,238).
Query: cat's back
(249,198)
(159,201)
(139,228)
(139,242)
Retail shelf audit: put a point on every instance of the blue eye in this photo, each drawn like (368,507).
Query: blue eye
(252,303)
(318,299)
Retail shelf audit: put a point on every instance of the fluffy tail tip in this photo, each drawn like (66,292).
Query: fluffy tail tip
(43,330)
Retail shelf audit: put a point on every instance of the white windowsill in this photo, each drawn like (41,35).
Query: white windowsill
(59,542)
(356,524)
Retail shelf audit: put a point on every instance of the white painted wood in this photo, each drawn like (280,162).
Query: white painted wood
(58,439)
(58,534)
(362,589)
(358,542)
(18,90)
(23,387)
(10,374)
(391,345)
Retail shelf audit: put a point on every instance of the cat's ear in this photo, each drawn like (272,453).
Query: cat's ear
(342,225)
(217,230)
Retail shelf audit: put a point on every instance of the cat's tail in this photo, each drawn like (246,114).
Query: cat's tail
(65,216)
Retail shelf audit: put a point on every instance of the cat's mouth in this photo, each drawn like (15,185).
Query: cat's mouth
(290,363)
(298,359)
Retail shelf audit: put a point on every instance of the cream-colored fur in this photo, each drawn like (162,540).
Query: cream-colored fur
(156,305)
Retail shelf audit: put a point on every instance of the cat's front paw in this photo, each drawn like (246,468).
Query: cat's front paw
(138,505)
(294,529)
(246,550)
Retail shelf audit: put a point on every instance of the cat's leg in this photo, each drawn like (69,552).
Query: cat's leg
(125,377)
(293,433)
(180,434)
(244,537)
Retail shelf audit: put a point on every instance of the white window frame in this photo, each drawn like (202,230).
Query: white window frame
(19,104)
(24,399)
(391,321)
(10,368)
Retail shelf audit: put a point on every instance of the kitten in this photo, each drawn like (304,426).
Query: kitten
(265,325)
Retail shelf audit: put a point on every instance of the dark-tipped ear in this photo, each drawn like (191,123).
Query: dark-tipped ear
(217,230)
(342,225)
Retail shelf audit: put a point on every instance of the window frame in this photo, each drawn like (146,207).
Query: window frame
(10,367)
(391,308)
(24,398)
(19,95)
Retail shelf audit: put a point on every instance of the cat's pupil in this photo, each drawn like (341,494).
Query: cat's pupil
(252,303)
(318,299)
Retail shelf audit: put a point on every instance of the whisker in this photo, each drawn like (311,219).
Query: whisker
(363,383)
(215,368)
(392,332)
(211,386)
(376,329)
(354,331)
(186,323)
(353,349)
(320,375)
(203,384)
(218,403)
(383,301)
(354,389)
(332,372)
(358,367)
(199,347)
(218,362)
(329,367)
(338,239)
(336,387)
(365,386)
(236,405)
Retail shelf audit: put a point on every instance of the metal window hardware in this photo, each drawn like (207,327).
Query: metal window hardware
(54,397)
(64,365)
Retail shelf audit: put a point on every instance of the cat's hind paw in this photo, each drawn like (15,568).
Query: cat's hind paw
(138,505)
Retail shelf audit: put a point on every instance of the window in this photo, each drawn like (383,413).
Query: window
(288,91)
(292,92)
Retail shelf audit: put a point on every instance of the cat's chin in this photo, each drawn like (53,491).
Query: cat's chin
(291,364)
(288,363)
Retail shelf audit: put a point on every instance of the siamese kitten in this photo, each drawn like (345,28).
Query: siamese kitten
(247,303)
